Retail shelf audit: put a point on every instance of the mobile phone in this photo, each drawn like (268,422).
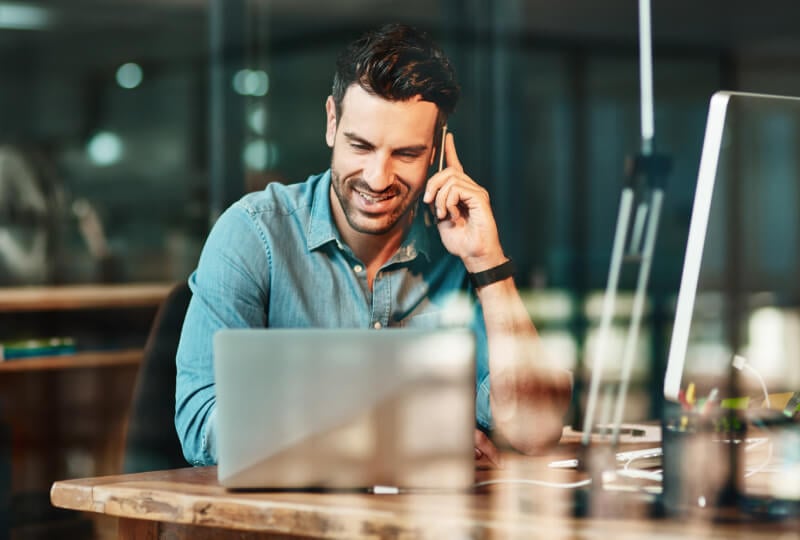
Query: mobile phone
(441,148)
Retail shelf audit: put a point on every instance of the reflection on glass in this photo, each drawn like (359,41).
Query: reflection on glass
(260,155)
(129,75)
(251,82)
(104,148)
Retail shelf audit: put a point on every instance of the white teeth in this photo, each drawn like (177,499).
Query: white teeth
(371,199)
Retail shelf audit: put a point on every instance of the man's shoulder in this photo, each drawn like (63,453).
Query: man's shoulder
(281,199)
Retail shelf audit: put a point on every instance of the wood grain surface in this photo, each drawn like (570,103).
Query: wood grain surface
(189,503)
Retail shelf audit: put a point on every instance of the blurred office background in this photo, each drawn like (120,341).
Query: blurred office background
(127,126)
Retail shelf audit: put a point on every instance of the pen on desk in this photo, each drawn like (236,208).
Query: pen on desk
(710,401)
(384,490)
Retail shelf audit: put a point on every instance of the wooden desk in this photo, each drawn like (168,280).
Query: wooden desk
(189,503)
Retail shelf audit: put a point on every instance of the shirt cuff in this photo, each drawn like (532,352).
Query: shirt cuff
(209,438)
(483,409)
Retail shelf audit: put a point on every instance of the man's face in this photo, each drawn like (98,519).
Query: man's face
(381,154)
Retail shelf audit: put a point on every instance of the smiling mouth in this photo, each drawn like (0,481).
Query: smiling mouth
(372,199)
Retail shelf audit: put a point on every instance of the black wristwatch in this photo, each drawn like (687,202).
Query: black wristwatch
(492,275)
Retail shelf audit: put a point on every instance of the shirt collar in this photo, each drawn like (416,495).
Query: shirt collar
(418,239)
(322,229)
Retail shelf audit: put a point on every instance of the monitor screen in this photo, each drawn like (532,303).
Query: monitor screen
(740,288)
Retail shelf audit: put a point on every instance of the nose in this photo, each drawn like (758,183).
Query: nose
(378,172)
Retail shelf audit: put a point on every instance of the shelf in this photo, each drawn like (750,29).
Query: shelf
(69,297)
(89,359)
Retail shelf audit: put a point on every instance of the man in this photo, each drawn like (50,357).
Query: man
(374,242)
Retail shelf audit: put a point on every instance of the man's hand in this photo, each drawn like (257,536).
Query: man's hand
(486,454)
(529,396)
(466,222)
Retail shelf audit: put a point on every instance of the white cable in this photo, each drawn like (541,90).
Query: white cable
(626,471)
(563,485)
(755,443)
(641,474)
(762,465)
(740,362)
(628,463)
(752,370)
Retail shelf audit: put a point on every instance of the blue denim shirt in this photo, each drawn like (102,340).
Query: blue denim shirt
(275,258)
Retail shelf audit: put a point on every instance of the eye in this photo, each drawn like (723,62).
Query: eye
(408,156)
(360,147)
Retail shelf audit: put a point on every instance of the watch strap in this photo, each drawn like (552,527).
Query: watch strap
(492,275)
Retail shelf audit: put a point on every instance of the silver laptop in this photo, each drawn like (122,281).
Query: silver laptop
(345,408)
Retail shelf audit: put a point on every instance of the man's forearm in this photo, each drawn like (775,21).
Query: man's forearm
(528,397)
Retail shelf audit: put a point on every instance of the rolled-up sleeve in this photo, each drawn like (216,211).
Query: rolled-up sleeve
(229,290)
(483,410)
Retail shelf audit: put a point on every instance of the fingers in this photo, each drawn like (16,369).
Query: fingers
(451,156)
(451,196)
(451,192)
(449,188)
(486,454)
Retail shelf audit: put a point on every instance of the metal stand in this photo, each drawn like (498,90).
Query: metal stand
(634,242)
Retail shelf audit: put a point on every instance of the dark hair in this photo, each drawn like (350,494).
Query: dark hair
(398,62)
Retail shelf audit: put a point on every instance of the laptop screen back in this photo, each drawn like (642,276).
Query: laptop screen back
(345,408)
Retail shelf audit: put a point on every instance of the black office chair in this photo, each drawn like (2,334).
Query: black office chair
(151,442)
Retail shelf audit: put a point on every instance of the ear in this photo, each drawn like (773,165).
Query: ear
(330,122)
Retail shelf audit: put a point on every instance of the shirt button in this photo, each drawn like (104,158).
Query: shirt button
(358,268)
(377,325)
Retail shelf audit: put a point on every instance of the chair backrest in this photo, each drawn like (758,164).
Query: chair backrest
(151,441)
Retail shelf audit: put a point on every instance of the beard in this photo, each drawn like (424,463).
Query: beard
(392,205)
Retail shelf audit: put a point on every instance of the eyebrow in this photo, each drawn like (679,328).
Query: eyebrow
(416,148)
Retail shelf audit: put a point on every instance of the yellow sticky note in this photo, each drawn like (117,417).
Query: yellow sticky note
(690,394)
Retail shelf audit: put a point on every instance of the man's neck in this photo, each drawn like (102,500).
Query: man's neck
(374,250)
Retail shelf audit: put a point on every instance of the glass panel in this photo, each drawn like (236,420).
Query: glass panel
(103,112)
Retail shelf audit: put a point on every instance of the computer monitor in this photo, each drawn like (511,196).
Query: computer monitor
(740,288)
